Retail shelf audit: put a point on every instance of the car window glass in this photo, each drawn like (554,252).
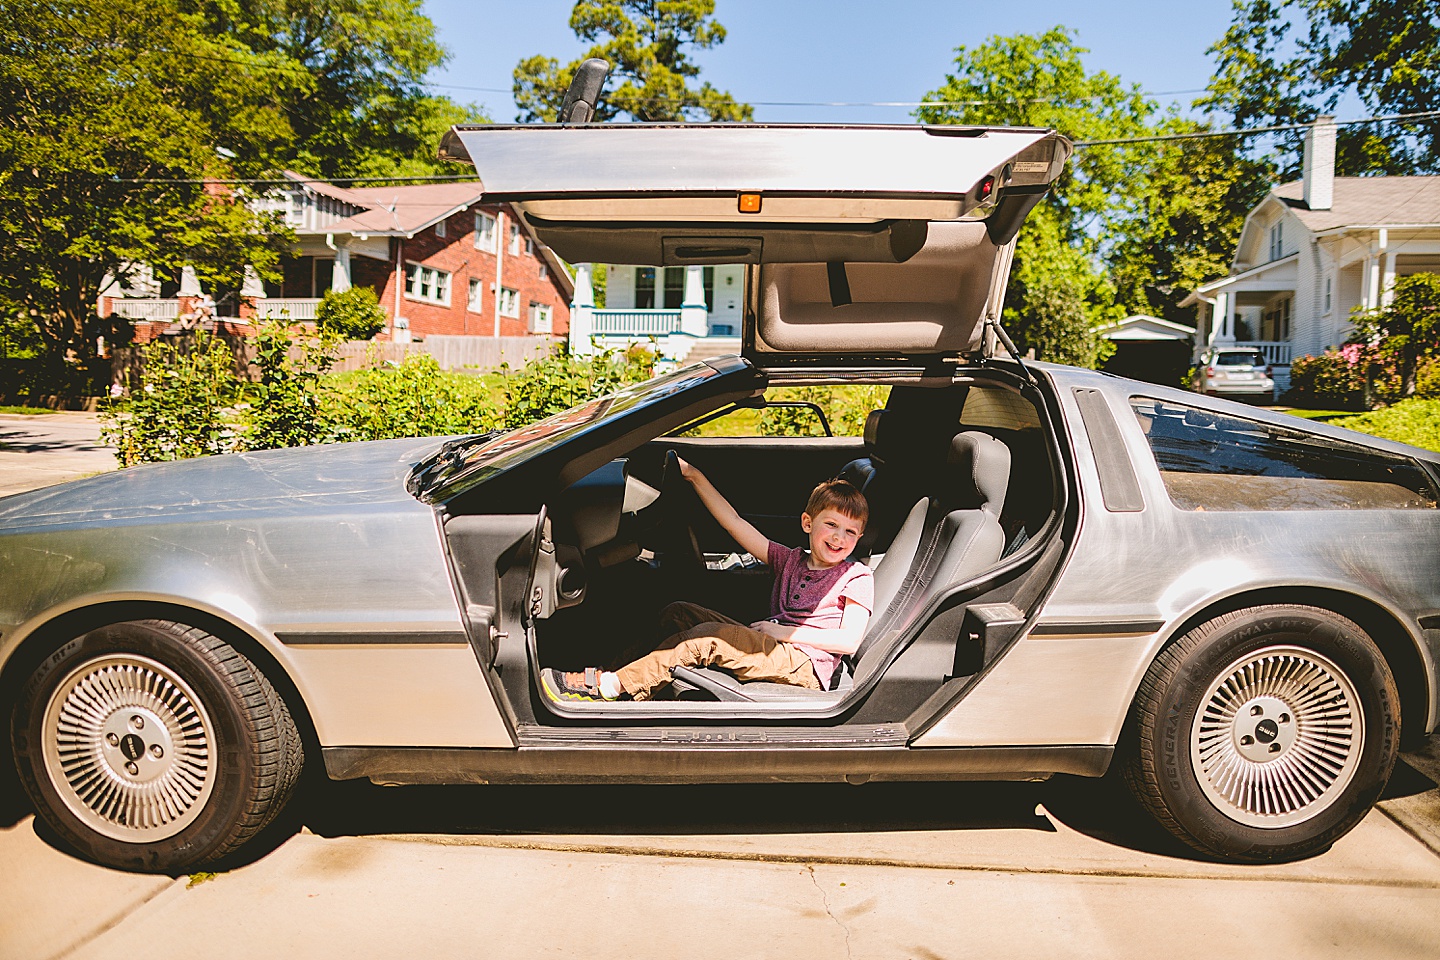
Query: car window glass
(1239,360)
(1213,462)
(845,407)
(998,408)
(462,467)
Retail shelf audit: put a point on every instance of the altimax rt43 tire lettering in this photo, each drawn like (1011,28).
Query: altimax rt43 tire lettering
(151,745)
(1265,734)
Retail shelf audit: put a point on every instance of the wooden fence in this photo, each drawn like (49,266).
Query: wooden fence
(470,354)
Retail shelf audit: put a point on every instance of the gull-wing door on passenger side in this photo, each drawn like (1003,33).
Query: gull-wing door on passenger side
(861,244)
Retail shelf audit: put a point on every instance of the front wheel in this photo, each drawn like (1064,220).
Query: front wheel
(1265,734)
(154,746)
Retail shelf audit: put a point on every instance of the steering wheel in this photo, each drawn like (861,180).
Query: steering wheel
(677,544)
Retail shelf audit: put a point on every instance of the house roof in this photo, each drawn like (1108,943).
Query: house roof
(1368,201)
(406,210)
(1142,327)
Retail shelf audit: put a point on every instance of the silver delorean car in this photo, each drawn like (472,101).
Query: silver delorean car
(1236,610)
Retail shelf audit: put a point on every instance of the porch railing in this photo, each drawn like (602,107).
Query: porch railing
(1277,352)
(642,323)
(298,309)
(147,309)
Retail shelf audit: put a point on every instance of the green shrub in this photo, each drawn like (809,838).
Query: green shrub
(1333,379)
(560,381)
(352,314)
(411,399)
(179,409)
(284,406)
(1416,422)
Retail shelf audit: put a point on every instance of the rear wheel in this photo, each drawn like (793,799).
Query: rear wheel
(150,745)
(1265,734)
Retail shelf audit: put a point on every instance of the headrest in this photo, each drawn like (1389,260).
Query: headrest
(872,435)
(979,471)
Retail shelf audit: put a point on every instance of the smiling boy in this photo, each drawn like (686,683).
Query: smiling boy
(820,605)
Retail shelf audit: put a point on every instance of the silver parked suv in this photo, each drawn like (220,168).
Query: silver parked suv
(1241,373)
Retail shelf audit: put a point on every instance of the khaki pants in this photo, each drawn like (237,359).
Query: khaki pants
(700,637)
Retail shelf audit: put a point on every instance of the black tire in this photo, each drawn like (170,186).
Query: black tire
(1265,734)
(154,746)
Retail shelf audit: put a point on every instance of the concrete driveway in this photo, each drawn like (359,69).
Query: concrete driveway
(40,449)
(1060,869)
(1067,868)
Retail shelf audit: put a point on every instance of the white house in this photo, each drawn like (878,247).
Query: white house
(691,312)
(1314,250)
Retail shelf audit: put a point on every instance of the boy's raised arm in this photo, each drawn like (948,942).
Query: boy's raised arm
(751,540)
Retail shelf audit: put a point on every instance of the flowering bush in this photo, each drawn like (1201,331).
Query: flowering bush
(1336,378)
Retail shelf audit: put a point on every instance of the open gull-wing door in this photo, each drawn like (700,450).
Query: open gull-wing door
(863,243)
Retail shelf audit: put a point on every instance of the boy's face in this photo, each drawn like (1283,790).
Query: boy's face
(832,535)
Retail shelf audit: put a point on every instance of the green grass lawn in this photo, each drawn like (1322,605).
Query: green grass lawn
(24,411)
(1416,422)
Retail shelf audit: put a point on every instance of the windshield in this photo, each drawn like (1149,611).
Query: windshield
(462,464)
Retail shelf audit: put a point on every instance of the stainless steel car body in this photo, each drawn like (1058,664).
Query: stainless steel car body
(1135,578)
(317,554)
(323,559)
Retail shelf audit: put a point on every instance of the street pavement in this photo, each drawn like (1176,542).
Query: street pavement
(1067,868)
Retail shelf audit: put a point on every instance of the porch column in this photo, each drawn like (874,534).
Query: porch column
(1387,279)
(340,272)
(582,313)
(694,320)
(189,282)
(252,291)
(1370,283)
(1224,321)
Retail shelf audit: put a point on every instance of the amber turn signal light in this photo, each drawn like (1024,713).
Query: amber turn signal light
(749,203)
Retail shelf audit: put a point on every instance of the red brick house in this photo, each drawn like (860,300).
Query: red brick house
(442,261)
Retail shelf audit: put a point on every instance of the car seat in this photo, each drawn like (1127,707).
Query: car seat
(946,538)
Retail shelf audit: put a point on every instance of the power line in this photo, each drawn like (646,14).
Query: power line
(1256,131)
(443,178)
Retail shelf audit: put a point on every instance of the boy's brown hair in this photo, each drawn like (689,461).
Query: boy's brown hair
(842,497)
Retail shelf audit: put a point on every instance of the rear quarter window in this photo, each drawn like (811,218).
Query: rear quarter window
(1213,462)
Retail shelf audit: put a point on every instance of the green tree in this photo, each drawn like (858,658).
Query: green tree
(1287,61)
(647,43)
(1059,290)
(1408,329)
(95,96)
(1194,197)
(359,104)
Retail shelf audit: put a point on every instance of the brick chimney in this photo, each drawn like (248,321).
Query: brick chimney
(1319,175)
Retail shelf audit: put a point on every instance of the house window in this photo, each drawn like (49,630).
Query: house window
(644,288)
(544,272)
(515,239)
(296,215)
(539,317)
(674,287)
(1277,240)
(485,232)
(440,229)
(427,283)
(1275,320)
(529,247)
(1329,287)
(476,302)
(509,302)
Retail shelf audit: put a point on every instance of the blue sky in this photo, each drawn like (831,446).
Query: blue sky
(842,50)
